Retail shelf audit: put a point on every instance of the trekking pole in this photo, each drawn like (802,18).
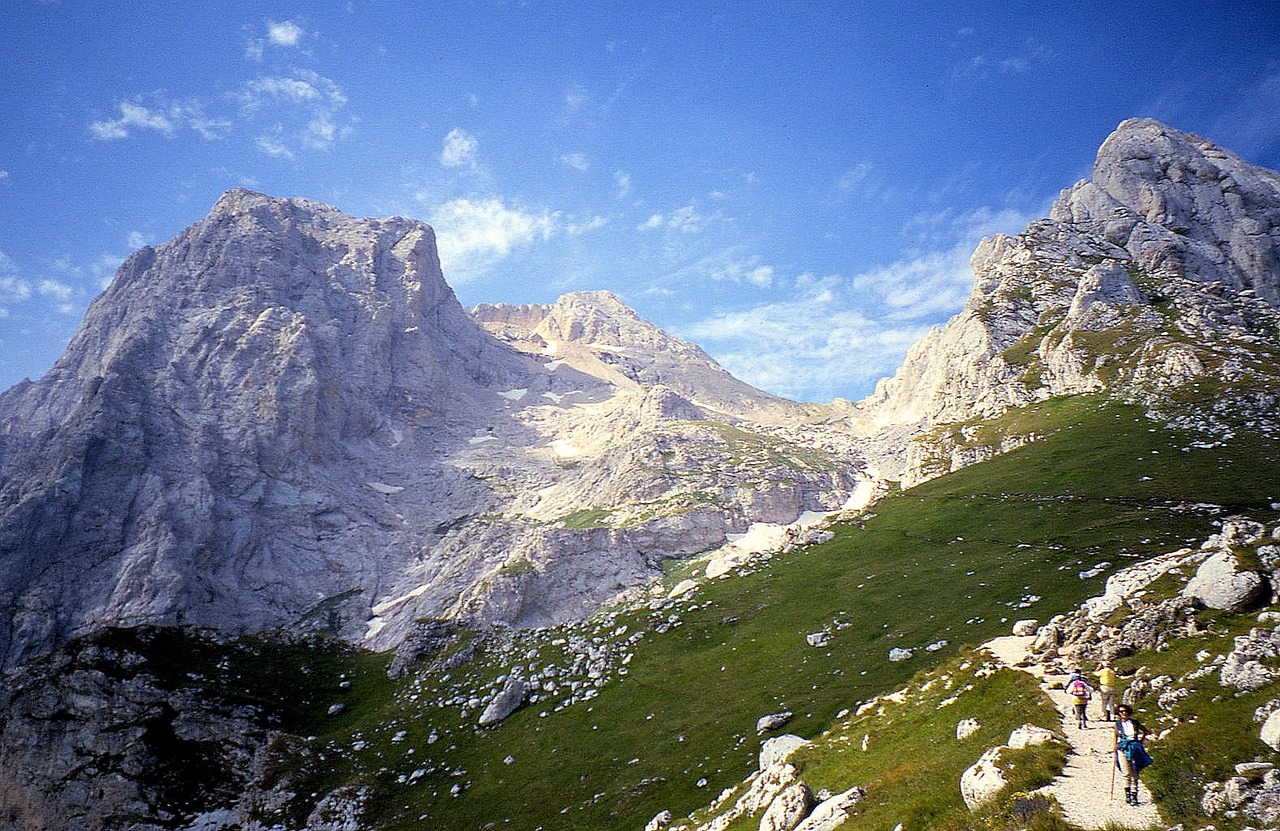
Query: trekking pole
(1114,764)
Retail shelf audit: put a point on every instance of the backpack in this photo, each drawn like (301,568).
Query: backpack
(1079,689)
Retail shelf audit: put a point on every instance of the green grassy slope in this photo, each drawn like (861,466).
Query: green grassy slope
(945,565)
(956,560)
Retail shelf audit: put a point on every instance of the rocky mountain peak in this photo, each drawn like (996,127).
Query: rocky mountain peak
(596,332)
(283,418)
(1182,207)
(1160,271)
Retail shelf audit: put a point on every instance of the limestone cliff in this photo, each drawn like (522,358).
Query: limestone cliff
(1162,271)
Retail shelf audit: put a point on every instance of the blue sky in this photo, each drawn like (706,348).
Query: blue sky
(796,188)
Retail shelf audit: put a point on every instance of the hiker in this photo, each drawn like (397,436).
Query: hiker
(1106,689)
(1131,756)
(1080,693)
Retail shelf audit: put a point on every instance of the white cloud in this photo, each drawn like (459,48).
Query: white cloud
(686,220)
(623,181)
(284,33)
(459,149)
(55,290)
(474,234)
(164,117)
(1252,121)
(305,109)
(576,99)
(4,174)
(577,161)
(732,266)
(838,336)
(815,346)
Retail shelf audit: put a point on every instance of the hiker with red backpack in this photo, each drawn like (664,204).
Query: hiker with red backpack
(1080,693)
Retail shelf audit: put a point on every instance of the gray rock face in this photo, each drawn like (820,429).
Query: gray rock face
(282,418)
(1160,271)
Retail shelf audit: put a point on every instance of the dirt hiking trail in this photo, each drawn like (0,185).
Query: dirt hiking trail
(1084,789)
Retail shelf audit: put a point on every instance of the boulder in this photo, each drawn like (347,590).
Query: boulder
(788,809)
(898,654)
(831,813)
(983,780)
(1025,628)
(660,821)
(506,702)
(1049,638)
(772,722)
(1029,735)
(818,639)
(777,750)
(1270,734)
(966,728)
(1223,582)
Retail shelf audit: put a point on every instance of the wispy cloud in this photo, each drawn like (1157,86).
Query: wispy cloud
(13,288)
(459,149)
(837,335)
(622,181)
(731,265)
(577,161)
(284,33)
(686,220)
(1022,58)
(1252,125)
(305,110)
(158,115)
(472,235)
(293,113)
(17,289)
(815,345)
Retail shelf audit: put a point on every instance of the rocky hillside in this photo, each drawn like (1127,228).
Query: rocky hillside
(1155,281)
(283,418)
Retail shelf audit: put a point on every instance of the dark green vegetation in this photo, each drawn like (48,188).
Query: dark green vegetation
(945,565)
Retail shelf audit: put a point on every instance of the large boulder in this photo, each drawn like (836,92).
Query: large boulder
(831,813)
(777,750)
(983,780)
(788,809)
(1270,734)
(1029,735)
(1025,628)
(1223,582)
(1250,665)
(506,702)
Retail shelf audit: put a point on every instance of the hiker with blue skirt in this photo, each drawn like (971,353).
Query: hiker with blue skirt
(1131,756)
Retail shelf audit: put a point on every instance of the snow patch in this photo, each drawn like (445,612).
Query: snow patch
(482,439)
(383,488)
(514,395)
(861,496)
(387,605)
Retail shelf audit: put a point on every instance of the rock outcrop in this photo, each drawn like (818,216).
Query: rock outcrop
(1161,271)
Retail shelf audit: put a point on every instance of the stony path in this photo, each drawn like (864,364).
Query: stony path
(1084,788)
